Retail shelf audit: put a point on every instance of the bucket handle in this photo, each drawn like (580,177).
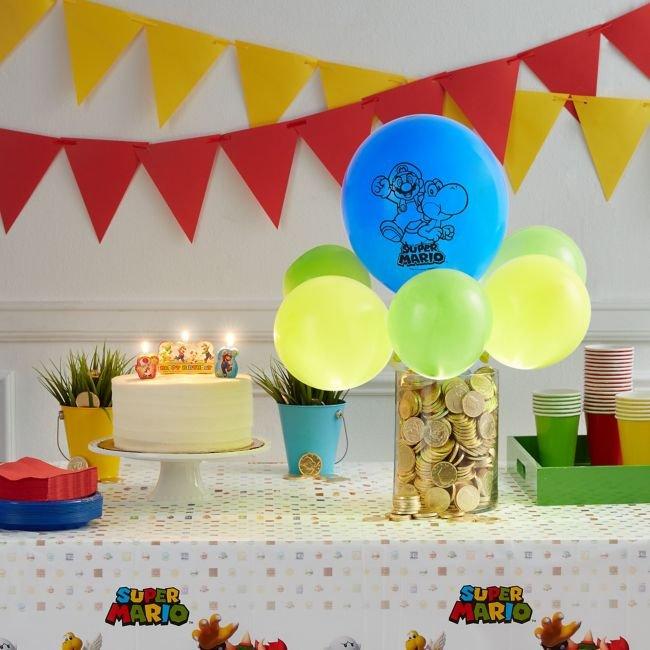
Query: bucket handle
(59,417)
(341,416)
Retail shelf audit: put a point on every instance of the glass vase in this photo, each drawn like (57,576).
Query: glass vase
(446,444)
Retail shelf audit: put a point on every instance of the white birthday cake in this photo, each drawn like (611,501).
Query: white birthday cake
(176,413)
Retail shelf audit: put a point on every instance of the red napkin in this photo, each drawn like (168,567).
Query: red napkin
(31,479)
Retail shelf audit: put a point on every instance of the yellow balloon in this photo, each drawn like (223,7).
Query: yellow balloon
(540,311)
(331,332)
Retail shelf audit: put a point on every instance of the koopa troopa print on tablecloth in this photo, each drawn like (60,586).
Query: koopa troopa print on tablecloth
(424,192)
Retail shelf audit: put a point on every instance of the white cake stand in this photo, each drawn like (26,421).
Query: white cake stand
(180,479)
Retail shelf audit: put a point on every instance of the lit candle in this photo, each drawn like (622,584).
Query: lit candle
(146,365)
(226,364)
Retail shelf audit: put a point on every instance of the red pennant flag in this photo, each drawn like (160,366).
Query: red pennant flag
(631,35)
(103,170)
(181,170)
(421,96)
(263,157)
(336,134)
(24,159)
(485,93)
(567,65)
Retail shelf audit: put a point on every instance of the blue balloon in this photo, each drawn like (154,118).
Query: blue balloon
(424,192)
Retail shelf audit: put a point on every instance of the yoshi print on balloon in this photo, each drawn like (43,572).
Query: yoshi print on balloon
(422,209)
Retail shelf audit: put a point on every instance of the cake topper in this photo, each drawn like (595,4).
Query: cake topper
(146,365)
(186,357)
(226,365)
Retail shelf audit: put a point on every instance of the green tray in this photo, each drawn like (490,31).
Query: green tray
(578,485)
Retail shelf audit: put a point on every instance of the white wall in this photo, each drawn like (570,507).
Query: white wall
(59,288)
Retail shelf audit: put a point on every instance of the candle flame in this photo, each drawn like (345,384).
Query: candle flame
(230,339)
(185,336)
(145,347)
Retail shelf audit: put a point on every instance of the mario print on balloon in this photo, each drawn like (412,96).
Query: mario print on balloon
(422,210)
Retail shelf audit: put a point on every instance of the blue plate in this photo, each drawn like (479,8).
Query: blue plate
(50,515)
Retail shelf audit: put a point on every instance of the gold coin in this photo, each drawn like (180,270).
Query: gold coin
(452,513)
(405,458)
(448,384)
(393,516)
(437,499)
(454,397)
(409,404)
(430,394)
(490,404)
(467,498)
(406,490)
(425,514)
(438,433)
(77,462)
(310,464)
(412,430)
(444,474)
(473,404)
(485,425)
(87,399)
(416,381)
(487,370)
(482,383)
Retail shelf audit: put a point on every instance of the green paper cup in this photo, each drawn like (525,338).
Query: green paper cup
(557,438)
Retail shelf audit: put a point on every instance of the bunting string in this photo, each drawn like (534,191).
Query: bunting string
(514,123)
(179,57)
(263,156)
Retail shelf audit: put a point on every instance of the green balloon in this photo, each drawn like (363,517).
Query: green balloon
(541,240)
(328,259)
(439,323)
(541,312)
(330,332)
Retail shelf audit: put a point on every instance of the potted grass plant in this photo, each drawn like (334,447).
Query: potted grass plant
(81,384)
(310,418)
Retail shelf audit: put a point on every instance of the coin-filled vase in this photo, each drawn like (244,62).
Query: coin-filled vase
(446,444)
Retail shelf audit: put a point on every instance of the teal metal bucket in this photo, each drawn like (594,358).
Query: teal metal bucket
(311,429)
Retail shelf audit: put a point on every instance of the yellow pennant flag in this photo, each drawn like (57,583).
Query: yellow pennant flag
(612,128)
(97,35)
(453,111)
(17,17)
(179,57)
(270,79)
(345,84)
(533,117)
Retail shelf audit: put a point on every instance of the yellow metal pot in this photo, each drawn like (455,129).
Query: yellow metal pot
(82,426)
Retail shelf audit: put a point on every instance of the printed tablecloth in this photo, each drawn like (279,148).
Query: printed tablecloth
(316,565)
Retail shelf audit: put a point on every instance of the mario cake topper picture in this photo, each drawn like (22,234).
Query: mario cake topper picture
(226,364)
(186,357)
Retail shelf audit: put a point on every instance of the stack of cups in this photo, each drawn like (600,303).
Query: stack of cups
(557,417)
(608,371)
(633,416)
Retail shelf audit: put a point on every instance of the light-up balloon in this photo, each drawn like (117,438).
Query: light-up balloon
(540,310)
(439,323)
(331,333)
(328,259)
(541,240)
